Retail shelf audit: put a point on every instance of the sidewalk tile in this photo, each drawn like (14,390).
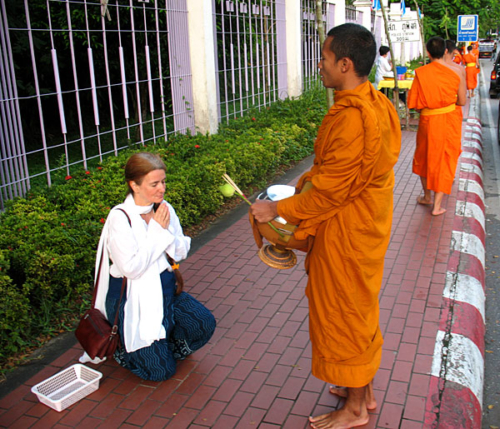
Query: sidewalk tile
(414,408)
(228,390)
(305,403)
(396,393)
(143,413)
(265,396)
(239,403)
(390,416)
(210,413)
(279,410)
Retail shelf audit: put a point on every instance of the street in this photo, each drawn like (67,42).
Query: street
(489,117)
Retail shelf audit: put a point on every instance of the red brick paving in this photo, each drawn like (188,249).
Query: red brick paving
(255,372)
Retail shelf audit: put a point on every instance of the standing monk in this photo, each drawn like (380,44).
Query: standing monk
(457,57)
(436,93)
(449,60)
(347,210)
(471,70)
(475,50)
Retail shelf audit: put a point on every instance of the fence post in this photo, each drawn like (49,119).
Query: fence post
(281,52)
(202,52)
(365,7)
(293,47)
(335,13)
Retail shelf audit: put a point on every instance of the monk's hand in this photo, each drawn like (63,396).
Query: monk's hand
(162,216)
(264,211)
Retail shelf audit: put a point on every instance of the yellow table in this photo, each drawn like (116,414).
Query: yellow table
(405,85)
(402,84)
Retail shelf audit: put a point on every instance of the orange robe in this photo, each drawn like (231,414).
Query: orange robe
(458,59)
(471,70)
(439,135)
(348,211)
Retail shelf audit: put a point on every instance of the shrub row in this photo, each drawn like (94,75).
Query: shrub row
(48,239)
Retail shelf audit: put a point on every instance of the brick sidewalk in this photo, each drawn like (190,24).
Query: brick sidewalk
(255,372)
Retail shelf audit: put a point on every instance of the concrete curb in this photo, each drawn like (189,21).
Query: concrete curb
(457,375)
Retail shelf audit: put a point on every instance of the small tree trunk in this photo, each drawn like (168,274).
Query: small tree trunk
(396,87)
(322,37)
(421,25)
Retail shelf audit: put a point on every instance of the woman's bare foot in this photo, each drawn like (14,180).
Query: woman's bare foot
(371,403)
(438,212)
(341,419)
(424,201)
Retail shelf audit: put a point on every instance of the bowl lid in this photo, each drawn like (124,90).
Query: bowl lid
(280,192)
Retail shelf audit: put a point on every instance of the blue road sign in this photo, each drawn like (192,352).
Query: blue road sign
(468,29)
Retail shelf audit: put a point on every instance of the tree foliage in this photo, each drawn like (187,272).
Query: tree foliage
(440,16)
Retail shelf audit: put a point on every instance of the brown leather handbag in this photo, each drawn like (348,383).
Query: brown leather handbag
(94,332)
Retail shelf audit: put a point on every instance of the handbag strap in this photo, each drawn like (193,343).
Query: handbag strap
(96,285)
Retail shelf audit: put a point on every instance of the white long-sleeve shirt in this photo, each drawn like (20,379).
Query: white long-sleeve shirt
(383,67)
(132,255)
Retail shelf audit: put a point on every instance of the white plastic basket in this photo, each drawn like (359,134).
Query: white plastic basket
(67,387)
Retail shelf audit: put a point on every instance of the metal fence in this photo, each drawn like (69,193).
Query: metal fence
(81,80)
(351,15)
(251,55)
(311,46)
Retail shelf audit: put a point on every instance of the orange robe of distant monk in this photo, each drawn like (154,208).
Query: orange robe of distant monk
(434,90)
(348,211)
(471,70)
(458,59)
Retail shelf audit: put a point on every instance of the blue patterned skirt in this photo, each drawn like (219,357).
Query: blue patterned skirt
(188,323)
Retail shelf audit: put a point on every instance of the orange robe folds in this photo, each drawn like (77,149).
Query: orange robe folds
(471,70)
(348,211)
(458,59)
(439,134)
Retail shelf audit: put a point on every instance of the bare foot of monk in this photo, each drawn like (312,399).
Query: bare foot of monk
(371,403)
(438,212)
(341,419)
(352,414)
(424,201)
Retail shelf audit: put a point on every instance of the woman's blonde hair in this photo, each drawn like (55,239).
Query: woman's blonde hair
(139,165)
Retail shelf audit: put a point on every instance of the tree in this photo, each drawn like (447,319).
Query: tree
(440,16)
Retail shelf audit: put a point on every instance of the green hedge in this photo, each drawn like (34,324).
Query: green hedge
(48,240)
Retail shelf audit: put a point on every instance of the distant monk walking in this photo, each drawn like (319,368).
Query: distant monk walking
(436,92)
(449,60)
(471,70)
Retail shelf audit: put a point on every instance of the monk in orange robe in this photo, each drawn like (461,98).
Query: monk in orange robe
(457,57)
(471,70)
(436,92)
(475,50)
(347,213)
(449,60)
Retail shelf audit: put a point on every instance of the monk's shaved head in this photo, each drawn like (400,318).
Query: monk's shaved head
(450,46)
(355,42)
(436,46)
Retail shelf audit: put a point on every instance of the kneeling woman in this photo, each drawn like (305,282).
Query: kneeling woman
(158,323)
